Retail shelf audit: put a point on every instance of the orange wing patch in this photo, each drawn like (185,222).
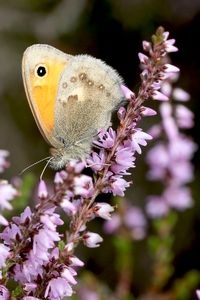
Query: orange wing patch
(44,92)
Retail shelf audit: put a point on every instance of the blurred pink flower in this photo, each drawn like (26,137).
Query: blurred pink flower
(3,162)
(7,193)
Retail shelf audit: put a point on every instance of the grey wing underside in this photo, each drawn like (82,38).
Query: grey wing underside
(89,91)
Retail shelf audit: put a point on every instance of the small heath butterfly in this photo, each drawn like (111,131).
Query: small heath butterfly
(71,97)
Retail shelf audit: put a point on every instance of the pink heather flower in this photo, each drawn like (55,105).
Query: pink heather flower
(148,112)
(106,139)
(68,206)
(156,85)
(63,175)
(168,121)
(42,189)
(146,45)
(118,186)
(75,261)
(7,193)
(83,186)
(127,93)
(4,254)
(54,253)
(25,216)
(3,162)
(69,273)
(159,96)
(166,35)
(103,210)
(156,207)
(10,234)
(123,160)
(43,241)
(180,95)
(143,58)
(96,161)
(184,116)
(166,111)
(198,294)
(3,221)
(51,220)
(91,239)
(171,69)
(182,172)
(158,165)
(134,220)
(178,198)
(78,166)
(169,47)
(29,270)
(182,148)
(4,293)
(69,247)
(58,179)
(166,88)
(139,138)
(30,288)
(58,288)
(169,44)
(124,157)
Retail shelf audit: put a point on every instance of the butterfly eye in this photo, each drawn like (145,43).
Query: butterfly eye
(41,70)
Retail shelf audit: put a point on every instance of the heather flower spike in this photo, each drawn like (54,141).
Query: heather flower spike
(172,166)
(48,257)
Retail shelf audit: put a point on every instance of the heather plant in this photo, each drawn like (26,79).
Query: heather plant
(39,261)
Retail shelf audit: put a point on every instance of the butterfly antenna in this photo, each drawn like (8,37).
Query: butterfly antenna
(49,160)
(35,163)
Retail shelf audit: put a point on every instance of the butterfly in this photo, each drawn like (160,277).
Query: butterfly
(71,98)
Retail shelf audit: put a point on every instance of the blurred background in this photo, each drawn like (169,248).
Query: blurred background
(113,31)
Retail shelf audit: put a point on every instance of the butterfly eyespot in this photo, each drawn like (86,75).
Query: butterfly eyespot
(41,70)
(101,87)
(64,85)
(90,82)
(73,79)
(82,76)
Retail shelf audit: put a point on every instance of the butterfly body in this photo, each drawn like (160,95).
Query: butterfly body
(71,98)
